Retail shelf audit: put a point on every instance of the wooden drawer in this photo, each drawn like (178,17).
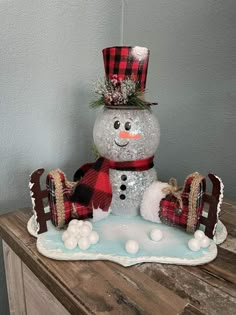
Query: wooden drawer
(27,295)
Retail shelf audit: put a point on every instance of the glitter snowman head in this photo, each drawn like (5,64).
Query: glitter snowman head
(126,135)
(127,130)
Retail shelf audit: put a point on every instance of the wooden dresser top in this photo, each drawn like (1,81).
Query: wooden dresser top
(103,287)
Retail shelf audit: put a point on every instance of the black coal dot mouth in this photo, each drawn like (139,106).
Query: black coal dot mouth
(121,145)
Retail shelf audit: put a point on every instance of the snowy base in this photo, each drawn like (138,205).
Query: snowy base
(114,231)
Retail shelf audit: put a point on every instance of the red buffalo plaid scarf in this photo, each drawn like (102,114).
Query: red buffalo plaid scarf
(94,189)
(90,189)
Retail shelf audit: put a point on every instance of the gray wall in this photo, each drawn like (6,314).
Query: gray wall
(192,75)
(51,52)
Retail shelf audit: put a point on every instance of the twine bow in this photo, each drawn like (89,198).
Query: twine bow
(174,190)
(196,188)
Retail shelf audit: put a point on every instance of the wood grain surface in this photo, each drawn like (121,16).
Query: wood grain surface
(38,299)
(15,285)
(102,287)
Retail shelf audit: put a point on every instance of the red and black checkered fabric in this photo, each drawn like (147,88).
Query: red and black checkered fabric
(65,193)
(91,190)
(126,62)
(94,189)
(138,165)
(171,213)
(61,207)
(81,171)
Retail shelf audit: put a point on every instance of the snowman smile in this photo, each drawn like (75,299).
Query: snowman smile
(121,145)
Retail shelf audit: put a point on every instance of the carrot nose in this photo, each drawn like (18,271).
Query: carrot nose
(128,135)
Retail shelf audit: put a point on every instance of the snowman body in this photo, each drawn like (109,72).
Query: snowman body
(127,135)
(127,190)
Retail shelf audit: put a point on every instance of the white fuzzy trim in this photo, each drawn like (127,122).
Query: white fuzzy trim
(35,221)
(99,214)
(220,201)
(150,204)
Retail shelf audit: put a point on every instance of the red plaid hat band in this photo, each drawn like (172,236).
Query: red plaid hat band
(126,61)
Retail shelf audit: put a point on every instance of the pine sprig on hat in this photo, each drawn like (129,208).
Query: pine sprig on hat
(117,92)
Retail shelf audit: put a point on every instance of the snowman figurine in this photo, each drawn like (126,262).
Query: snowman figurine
(126,133)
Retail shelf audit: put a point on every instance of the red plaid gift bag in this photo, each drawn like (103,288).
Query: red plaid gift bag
(184,207)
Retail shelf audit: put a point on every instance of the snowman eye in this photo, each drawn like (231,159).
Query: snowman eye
(117,124)
(127,125)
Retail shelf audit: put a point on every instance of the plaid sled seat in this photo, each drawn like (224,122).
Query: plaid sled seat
(59,194)
(184,207)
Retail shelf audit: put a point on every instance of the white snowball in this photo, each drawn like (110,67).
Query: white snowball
(72,229)
(194,244)
(85,230)
(65,235)
(73,222)
(156,235)
(70,243)
(199,235)
(94,237)
(205,242)
(131,246)
(78,236)
(84,243)
(80,222)
(89,224)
